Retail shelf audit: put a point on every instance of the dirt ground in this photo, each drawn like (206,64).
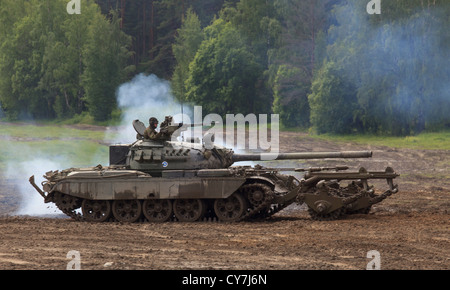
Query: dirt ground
(409,230)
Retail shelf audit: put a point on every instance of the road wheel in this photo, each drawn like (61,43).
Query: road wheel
(157,210)
(231,208)
(128,211)
(96,210)
(189,210)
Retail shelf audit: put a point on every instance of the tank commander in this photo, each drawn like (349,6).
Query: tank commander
(150,132)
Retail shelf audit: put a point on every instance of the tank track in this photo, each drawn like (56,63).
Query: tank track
(264,209)
(68,205)
(259,206)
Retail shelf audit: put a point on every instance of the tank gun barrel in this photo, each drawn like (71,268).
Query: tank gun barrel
(301,155)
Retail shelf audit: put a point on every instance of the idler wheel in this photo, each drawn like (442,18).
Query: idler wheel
(231,208)
(128,211)
(96,210)
(189,210)
(157,210)
(66,202)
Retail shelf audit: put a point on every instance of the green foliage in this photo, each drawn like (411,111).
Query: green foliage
(224,73)
(106,53)
(398,63)
(332,101)
(223,67)
(47,60)
(291,97)
(376,74)
(294,59)
(187,42)
(167,18)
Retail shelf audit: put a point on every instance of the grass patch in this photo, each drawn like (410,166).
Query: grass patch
(430,141)
(46,131)
(67,147)
(86,118)
(80,153)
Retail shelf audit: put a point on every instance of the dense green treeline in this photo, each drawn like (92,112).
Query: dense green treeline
(325,64)
(56,65)
(392,69)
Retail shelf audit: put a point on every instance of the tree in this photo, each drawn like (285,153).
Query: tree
(153,24)
(294,60)
(22,51)
(398,63)
(105,59)
(333,101)
(11,11)
(62,63)
(224,73)
(45,54)
(188,40)
(257,22)
(291,96)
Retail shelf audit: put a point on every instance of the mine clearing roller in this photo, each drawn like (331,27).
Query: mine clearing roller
(163,180)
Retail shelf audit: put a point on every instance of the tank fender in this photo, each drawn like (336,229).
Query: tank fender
(263,179)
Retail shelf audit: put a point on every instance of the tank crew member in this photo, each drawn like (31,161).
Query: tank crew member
(150,132)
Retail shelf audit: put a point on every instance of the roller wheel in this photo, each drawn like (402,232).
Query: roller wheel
(157,210)
(189,210)
(128,211)
(96,210)
(231,208)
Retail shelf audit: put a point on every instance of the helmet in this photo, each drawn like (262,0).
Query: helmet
(153,120)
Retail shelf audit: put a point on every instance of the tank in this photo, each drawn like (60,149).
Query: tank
(164,180)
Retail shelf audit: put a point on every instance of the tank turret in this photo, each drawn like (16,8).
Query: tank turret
(162,154)
(153,157)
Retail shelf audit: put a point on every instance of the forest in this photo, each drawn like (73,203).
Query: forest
(324,65)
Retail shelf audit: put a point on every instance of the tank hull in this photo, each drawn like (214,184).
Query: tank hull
(117,185)
(233,194)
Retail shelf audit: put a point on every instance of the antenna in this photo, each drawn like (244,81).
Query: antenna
(182,122)
(182,117)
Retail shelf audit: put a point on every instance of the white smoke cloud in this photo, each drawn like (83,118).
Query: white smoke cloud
(27,160)
(32,203)
(17,170)
(143,97)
